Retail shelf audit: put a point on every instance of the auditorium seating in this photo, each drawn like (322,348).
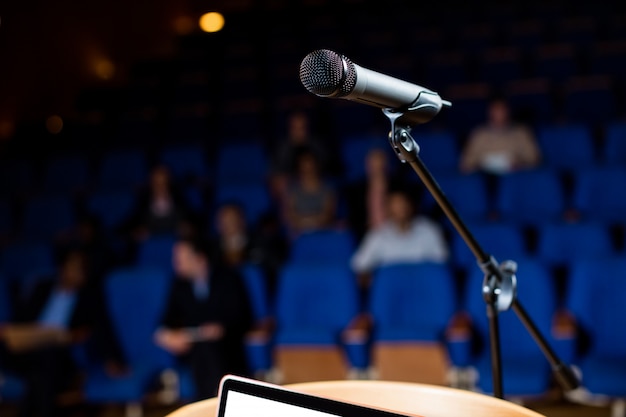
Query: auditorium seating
(209,113)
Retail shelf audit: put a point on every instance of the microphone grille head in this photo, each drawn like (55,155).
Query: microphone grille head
(326,73)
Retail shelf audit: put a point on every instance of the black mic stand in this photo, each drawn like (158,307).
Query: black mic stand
(500,283)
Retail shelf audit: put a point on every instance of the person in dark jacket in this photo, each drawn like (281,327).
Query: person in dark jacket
(207,316)
(76,311)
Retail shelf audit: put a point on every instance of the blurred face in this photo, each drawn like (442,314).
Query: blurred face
(230,221)
(73,274)
(187,263)
(298,128)
(399,208)
(376,162)
(160,179)
(498,114)
(307,166)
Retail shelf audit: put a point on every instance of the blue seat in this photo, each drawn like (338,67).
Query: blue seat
(563,243)
(253,197)
(614,151)
(502,240)
(566,147)
(136,298)
(530,197)
(439,151)
(315,302)
(467,193)
(595,298)
(590,100)
(599,194)
(258,351)
(354,150)
(411,302)
(525,370)
(156,252)
(323,245)
(122,169)
(65,174)
(241,162)
(20,260)
(46,217)
(185,161)
(111,207)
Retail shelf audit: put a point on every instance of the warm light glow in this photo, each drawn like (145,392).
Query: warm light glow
(104,68)
(184,25)
(7,128)
(212,22)
(54,124)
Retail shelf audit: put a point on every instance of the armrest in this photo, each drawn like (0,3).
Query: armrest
(358,331)
(261,333)
(564,325)
(459,328)
(459,339)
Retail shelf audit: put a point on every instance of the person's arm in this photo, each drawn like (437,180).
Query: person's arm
(170,335)
(367,255)
(472,154)
(436,247)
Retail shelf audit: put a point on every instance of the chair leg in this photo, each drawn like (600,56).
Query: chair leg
(133,410)
(618,408)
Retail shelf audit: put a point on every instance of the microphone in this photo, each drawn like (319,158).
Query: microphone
(328,74)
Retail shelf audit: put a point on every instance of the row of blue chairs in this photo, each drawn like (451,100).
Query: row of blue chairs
(557,244)
(316,302)
(564,147)
(528,197)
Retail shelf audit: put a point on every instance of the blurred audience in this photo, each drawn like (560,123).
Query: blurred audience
(500,146)
(236,245)
(299,139)
(404,237)
(366,198)
(206,317)
(56,317)
(160,209)
(310,202)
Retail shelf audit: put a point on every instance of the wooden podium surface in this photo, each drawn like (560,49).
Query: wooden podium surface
(400,397)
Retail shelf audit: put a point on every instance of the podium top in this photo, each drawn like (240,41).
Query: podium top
(400,397)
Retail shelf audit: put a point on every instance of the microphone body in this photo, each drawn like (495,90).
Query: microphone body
(328,74)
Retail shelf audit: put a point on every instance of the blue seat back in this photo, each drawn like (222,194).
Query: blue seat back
(562,243)
(136,299)
(253,197)
(323,245)
(185,161)
(19,260)
(243,162)
(123,170)
(614,151)
(111,208)
(566,147)
(530,197)
(599,194)
(45,217)
(66,174)
(414,296)
(502,240)
(156,252)
(467,193)
(316,295)
(596,298)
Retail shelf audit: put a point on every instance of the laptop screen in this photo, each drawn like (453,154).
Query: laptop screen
(242,397)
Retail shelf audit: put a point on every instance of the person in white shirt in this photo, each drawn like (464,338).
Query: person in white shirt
(402,238)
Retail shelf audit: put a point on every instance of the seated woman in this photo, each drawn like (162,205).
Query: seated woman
(310,203)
